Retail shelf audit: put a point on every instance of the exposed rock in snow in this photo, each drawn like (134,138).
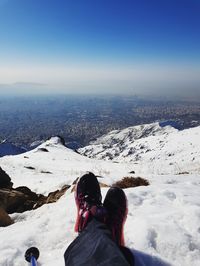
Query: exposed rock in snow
(150,149)
(5,181)
(22,199)
(5,219)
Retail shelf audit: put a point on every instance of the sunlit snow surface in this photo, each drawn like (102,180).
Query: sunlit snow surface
(163,223)
(150,148)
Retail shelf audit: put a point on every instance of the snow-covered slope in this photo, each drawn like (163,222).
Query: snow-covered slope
(150,148)
(51,165)
(130,134)
(163,219)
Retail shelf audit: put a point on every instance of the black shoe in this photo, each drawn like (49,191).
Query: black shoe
(88,201)
(115,203)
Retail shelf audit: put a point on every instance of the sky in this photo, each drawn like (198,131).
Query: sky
(99,46)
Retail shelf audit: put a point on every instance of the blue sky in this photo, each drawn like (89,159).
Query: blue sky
(100,45)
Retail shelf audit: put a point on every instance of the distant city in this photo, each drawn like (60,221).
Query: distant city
(80,119)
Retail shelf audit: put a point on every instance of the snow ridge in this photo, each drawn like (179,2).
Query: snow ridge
(150,148)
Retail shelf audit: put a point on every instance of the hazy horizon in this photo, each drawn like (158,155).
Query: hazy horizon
(100,47)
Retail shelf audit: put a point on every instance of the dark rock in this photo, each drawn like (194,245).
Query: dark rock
(32,195)
(132,172)
(5,180)
(5,219)
(23,199)
(52,197)
(43,149)
(15,201)
(29,167)
(46,172)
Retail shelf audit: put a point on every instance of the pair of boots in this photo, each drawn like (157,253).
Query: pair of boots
(112,212)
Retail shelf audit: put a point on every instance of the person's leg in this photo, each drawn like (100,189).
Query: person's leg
(88,201)
(115,203)
(111,216)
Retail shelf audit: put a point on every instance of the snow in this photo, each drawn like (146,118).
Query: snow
(36,143)
(161,151)
(63,164)
(164,219)
(163,223)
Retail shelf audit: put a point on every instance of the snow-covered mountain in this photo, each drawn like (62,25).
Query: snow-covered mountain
(150,148)
(7,148)
(163,218)
(51,165)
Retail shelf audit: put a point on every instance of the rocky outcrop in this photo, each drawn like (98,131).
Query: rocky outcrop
(52,197)
(5,180)
(21,199)
(5,219)
(43,149)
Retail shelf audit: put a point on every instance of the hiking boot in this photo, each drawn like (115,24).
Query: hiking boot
(115,203)
(88,201)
